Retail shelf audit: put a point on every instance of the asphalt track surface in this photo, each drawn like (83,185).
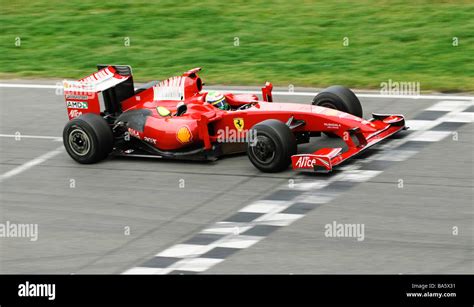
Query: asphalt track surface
(84,229)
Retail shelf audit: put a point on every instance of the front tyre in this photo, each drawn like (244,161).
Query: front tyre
(88,138)
(339,98)
(271,146)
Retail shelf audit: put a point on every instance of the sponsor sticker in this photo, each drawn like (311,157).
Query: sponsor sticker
(80,97)
(74,114)
(77,104)
(311,162)
(332,125)
(134,133)
(305,162)
(150,140)
(184,135)
(78,88)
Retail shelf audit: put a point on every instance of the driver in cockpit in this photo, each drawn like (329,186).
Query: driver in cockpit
(218,100)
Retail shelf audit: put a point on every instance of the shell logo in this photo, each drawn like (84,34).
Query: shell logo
(184,135)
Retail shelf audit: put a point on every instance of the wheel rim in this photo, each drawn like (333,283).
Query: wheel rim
(264,149)
(79,142)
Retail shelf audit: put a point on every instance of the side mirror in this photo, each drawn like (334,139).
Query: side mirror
(267,92)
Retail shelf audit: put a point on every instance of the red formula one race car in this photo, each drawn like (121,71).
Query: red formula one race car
(175,118)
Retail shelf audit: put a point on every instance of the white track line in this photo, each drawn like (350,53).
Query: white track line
(43,86)
(36,161)
(312,94)
(277,93)
(54,138)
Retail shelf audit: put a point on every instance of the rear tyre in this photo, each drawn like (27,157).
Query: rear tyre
(340,98)
(88,138)
(272,147)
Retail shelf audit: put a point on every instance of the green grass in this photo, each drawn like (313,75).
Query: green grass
(287,42)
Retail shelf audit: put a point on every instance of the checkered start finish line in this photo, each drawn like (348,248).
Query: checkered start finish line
(259,219)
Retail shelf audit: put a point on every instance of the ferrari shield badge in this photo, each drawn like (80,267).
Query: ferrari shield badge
(239,124)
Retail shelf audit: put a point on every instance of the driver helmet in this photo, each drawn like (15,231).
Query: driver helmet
(217,100)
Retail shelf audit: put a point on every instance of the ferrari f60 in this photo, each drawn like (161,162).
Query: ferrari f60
(177,119)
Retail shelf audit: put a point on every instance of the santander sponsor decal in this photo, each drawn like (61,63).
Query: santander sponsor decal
(134,133)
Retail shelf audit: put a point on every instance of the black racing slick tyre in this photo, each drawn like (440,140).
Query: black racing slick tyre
(88,138)
(271,146)
(340,98)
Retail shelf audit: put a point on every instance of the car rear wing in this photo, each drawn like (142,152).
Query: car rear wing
(114,82)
